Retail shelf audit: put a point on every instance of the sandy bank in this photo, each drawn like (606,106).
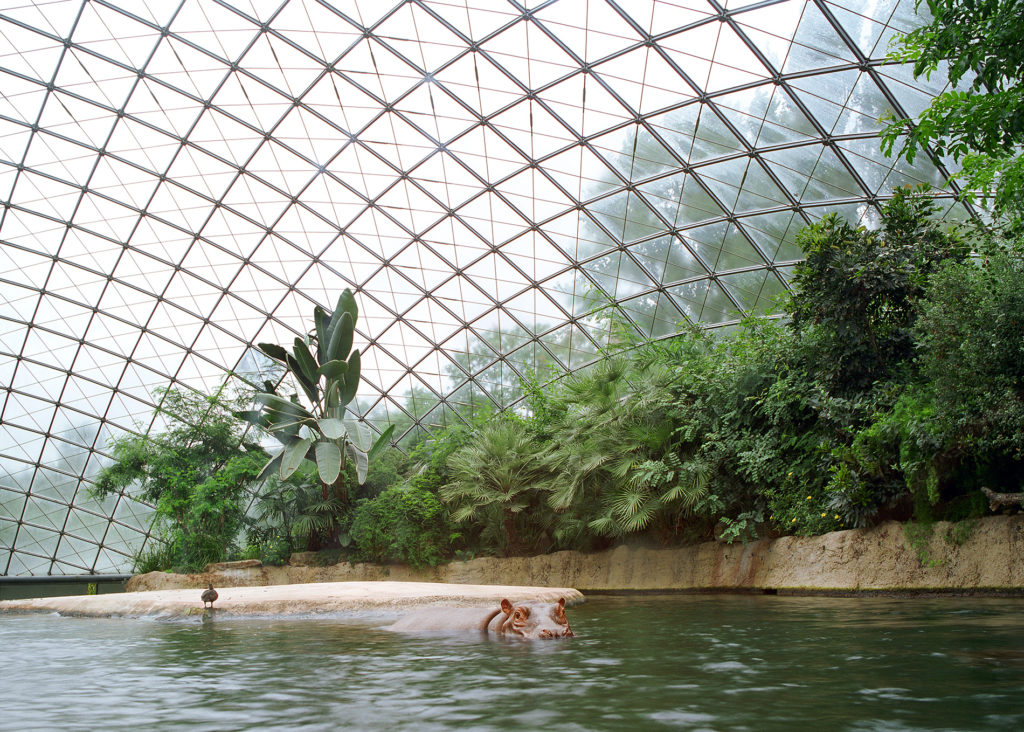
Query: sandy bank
(983,555)
(294,599)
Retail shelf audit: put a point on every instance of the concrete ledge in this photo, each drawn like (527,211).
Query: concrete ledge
(296,599)
(983,555)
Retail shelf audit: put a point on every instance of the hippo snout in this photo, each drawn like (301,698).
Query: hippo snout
(558,633)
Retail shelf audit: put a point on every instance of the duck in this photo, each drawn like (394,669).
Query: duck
(209,595)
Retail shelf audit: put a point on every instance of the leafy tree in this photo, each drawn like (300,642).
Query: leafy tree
(195,474)
(971,333)
(859,290)
(979,43)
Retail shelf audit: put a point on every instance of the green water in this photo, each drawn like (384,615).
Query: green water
(638,663)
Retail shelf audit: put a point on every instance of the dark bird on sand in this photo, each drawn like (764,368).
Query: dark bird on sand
(209,596)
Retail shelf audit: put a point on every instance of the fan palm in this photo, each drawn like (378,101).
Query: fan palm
(619,452)
(498,476)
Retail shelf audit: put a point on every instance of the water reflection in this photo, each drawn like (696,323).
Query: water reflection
(673,662)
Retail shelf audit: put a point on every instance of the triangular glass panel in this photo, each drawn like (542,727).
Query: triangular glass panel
(577,236)
(529,54)
(816,44)
(635,153)
(477,82)
(581,172)
(775,233)
(626,217)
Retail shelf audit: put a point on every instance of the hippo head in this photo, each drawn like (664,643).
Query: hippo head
(535,620)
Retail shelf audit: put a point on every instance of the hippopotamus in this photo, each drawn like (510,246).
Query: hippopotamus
(523,620)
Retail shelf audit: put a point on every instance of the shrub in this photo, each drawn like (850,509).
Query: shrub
(402,524)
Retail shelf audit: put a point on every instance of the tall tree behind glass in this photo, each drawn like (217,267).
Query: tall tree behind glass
(195,474)
(858,291)
(327,369)
(978,42)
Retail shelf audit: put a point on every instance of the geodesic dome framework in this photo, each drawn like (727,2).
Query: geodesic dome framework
(183,179)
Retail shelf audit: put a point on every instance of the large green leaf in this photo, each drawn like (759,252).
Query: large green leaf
(346,304)
(360,459)
(358,432)
(321,320)
(280,404)
(306,360)
(341,339)
(273,350)
(328,460)
(333,369)
(277,421)
(380,443)
(332,428)
(273,464)
(312,392)
(293,455)
(252,416)
(348,392)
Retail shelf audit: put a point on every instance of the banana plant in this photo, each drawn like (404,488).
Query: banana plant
(327,369)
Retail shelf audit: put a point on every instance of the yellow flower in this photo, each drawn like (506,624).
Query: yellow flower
(790,472)
(824,514)
(810,497)
(793,521)
(837,517)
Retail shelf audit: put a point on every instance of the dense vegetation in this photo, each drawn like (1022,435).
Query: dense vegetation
(980,122)
(195,474)
(891,387)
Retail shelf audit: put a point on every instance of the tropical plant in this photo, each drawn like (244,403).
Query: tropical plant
(327,369)
(497,479)
(293,513)
(621,469)
(402,524)
(195,474)
(859,290)
(977,42)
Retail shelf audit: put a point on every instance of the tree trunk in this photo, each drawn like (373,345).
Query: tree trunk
(511,534)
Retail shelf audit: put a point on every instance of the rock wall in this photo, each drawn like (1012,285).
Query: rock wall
(981,555)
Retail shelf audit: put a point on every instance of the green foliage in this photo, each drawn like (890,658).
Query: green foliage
(976,41)
(918,535)
(195,474)
(327,370)
(971,334)
(857,292)
(276,550)
(894,387)
(431,455)
(498,479)
(402,524)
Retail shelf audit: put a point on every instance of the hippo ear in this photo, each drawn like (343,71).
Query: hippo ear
(506,606)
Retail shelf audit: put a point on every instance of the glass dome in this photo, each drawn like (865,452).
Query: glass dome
(181,180)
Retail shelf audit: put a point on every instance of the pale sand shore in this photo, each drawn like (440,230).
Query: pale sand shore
(297,599)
